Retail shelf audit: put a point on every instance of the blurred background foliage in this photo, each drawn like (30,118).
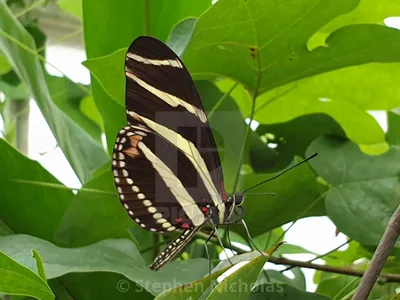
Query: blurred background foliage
(308,72)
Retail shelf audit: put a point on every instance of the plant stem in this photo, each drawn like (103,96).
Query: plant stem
(221,100)
(388,277)
(381,254)
(322,255)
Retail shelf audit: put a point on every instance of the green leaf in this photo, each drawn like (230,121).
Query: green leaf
(367,11)
(95,206)
(163,15)
(364,188)
(101,286)
(337,285)
(281,291)
(392,135)
(5,67)
(353,252)
(344,94)
(194,289)
(297,279)
(22,180)
(4,229)
(297,195)
(112,255)
(292,138)
(73,7)
(39,264)
(16,279)
(69,96)
(271,47)
(228,128)
(82,151)
(18,92)
(109,67)
(239,284)
(89,109)
(180,35)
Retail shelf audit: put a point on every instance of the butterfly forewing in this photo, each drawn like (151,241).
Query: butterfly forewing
(159,89)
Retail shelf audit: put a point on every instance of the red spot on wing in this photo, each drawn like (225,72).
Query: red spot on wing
(223,191)
(179,220)
(205,210)
(185,226)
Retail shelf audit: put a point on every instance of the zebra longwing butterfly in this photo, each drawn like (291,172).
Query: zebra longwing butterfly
(165,161)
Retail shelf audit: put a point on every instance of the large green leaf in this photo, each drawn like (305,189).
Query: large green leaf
(298,195)
(68,96)
(95,207)
(393,133)
(113,255)
(82,151)
(344,94)
(364,191)
(368,11)
(228,127)
(5,67)
(192,290)
(99,285)
(73,7)
(239,284)
(32,200)
(266,41)
(337,286)
(15,279)
(157,19)
(292,138)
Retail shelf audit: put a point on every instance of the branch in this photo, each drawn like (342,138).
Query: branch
(387,277)
(381,254)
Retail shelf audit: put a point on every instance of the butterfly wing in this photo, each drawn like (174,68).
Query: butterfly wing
(165,161)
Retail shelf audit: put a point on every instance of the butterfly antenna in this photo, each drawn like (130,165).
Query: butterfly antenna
(287,170)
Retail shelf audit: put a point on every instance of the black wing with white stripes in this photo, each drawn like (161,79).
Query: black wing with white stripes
(165,161)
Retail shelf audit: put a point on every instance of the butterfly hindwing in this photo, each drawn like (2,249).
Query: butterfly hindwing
(173,248)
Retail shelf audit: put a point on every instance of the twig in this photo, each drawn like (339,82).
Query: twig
(380,256)
(387,277)
(321,255)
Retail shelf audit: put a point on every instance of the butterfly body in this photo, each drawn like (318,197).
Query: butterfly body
(166,164)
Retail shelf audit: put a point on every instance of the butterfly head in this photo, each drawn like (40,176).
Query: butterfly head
(234,211)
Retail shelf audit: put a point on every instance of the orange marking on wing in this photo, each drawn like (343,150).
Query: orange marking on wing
(133,151)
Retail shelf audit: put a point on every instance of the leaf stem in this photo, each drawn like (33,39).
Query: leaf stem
(380,256)
(246,134)
(221,100)
(29,8)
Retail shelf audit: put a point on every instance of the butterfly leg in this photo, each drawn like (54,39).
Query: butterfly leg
(249,237)
(220,242)
(207,251)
